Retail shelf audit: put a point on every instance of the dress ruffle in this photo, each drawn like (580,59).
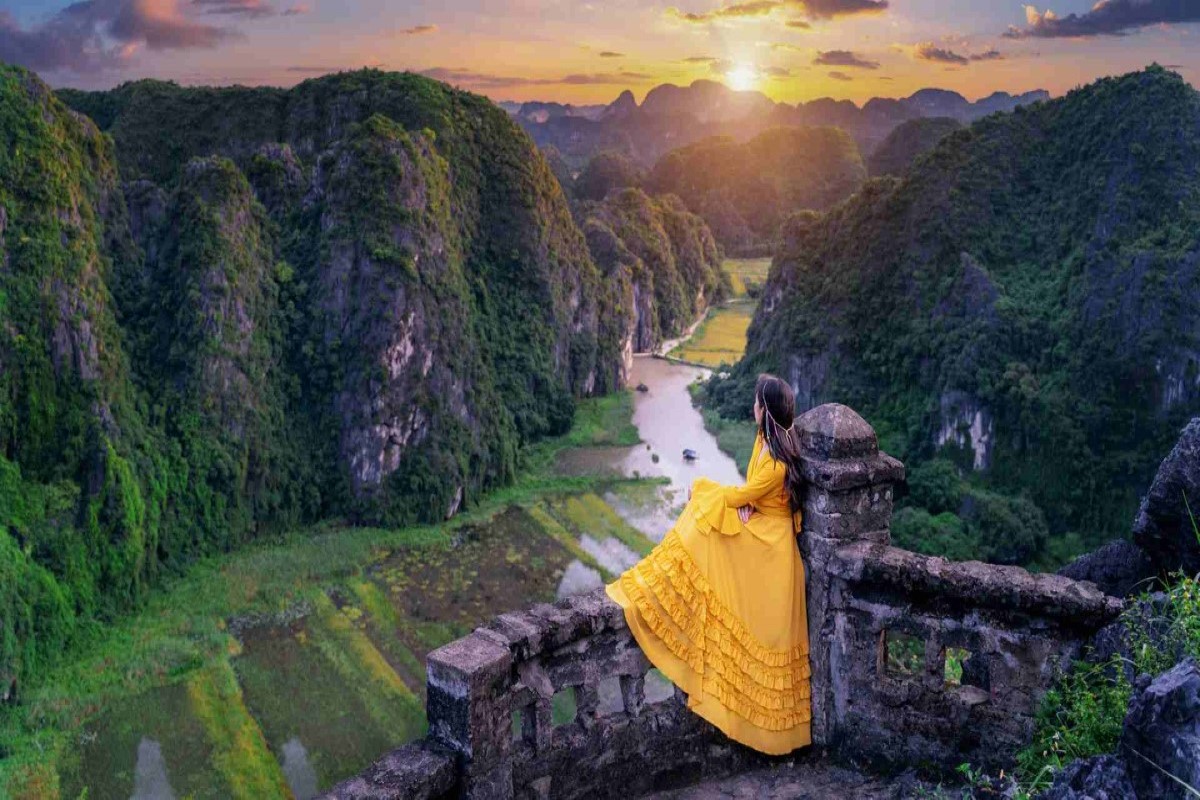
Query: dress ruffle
(769,688)
(710,512)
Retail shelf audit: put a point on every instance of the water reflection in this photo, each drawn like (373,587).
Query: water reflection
(578,578)
(668,424)
(301,777)
(150,781)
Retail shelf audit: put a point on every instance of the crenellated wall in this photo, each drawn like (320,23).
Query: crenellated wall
(881,623)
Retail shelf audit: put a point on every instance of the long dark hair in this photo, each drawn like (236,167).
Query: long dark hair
(778,404)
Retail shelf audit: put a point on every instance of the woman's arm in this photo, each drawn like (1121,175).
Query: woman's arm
(761,483)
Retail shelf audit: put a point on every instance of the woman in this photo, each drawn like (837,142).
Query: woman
(718,606)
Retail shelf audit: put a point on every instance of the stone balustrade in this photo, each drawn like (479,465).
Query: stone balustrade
(882,624)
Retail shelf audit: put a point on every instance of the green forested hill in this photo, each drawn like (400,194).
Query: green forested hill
(908,142)
(1017,316)
(745,190)
(661,260)
(227,311)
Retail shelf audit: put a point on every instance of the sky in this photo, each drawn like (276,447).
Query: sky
(588,52)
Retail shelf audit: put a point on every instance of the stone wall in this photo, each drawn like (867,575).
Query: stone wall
(881,623)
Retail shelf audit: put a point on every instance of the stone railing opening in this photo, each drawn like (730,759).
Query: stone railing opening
(916,661)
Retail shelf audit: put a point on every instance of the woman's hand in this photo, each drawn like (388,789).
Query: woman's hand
(744,513)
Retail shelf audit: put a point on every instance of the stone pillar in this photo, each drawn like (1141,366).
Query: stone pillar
(849,499)
(468,705)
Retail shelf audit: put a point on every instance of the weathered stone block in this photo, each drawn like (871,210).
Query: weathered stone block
(419,771)
(834,431)
(467,698)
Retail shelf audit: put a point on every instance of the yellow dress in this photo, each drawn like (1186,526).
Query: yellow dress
(719,608)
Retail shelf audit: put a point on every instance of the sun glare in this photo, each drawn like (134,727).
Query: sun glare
(742,78)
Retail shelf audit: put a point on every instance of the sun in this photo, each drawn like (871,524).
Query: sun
(742,78)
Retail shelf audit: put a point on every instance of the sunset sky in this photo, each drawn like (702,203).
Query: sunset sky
(587,52)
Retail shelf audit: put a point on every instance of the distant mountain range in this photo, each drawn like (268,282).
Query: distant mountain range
(673,116)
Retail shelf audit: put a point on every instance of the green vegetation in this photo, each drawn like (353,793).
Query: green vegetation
(746,190)
(1083,715)
(661,263)
(1030,278)
(341,616)
(363,298)
(721,338)
(908,142)
(606,172)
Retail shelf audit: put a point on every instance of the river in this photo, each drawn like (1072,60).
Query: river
(667,423)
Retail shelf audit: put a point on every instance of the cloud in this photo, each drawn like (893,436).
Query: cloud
(418,30)
(927,51)
(700,59)
(752,8)
(776,72)
(798,24)
(811,9)
(987,55)
(843,58)
(829,9)
(840,76)
(1106,18)
(245,8)
(99,35)
(611,54)
(484,80)
(297,10)
(787,46)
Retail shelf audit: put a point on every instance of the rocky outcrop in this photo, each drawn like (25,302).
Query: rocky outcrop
(607,172)
(278,178)
(1119,568)
(1158,757)
(908,142)
(915,289)
(1096,778)
(1164,539)
(396,310)
(1164,528)
(662,261)
(1161,740)
(359,297)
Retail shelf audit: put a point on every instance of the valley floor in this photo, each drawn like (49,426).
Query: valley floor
(721,337)
(282,668)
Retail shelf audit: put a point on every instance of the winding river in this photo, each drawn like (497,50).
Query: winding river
(667,423)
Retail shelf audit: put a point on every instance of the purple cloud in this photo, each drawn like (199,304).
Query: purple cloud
(843,58)
(1106,18)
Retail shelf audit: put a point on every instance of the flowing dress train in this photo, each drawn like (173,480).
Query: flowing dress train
(718,606)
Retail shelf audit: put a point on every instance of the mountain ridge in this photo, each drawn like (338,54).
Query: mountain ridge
(671,116)
(1014,307)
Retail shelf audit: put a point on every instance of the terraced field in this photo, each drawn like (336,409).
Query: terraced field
(721,337)
(286,667)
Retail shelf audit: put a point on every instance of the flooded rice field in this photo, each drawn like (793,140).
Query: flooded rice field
(304,704)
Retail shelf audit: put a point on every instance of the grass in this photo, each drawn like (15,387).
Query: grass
(180,636)
(241,753)
(589,514)
(721,338)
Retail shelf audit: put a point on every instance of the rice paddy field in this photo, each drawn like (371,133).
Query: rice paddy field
(283,668)
(721,337)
